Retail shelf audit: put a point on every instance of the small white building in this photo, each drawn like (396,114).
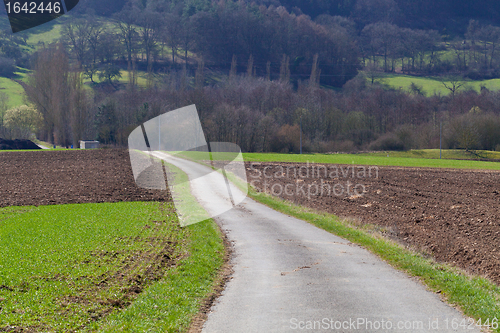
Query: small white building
(89,144)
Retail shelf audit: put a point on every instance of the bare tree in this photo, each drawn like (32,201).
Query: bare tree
(57,93)
(459,47)
(233,70)
(90,71)
(250,66)
(187,37)
(172,34)
(285,69)
(78,107)
(373,72)
(127,20)
(200,75)
(466,131)
(473,35)
(383,38)
(314,78)
(4,104)
(493,37)
(109,46)
(75,37)
(453,85)
(96,30)
(46,88)
(149,31)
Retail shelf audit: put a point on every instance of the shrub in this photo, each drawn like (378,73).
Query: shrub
(288,139)
(389,141)
(22,121)
(488,126)
(474,130)
(110,74)
(463,133)
(406,135)
(7,67)
(345,146)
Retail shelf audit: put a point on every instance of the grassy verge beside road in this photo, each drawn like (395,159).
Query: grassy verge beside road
(104,267)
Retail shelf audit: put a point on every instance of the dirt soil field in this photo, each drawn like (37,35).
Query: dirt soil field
(452,214)
(75,176)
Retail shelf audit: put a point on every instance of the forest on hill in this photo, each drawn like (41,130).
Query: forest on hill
(416,14)
(262,72)
(418,38)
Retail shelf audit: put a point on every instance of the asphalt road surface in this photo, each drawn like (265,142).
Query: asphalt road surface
(291,276)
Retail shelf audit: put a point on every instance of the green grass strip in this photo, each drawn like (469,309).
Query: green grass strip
(360,159)
(453,154)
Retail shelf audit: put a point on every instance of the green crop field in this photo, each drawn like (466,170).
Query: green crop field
(380,159)
(458,159)
(78,267)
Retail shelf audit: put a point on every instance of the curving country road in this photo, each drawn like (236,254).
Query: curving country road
(290,276)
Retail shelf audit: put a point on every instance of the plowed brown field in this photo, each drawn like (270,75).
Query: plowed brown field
(75,176)
(452,214)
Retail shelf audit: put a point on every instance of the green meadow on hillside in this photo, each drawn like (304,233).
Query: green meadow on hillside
(13,90)
(432,85)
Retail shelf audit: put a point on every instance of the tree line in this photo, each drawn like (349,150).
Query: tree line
(161,35)
(152,40)
(415,14)
(255,73)
(390,48)
(262,114)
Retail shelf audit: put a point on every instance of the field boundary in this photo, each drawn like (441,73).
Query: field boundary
(360,159)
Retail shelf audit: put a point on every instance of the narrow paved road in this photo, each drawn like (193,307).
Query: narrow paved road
(291,276)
